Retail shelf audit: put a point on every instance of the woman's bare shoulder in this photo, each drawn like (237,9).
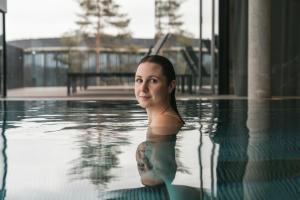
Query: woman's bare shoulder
(169,122)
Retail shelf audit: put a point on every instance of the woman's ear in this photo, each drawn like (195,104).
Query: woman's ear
(172,86)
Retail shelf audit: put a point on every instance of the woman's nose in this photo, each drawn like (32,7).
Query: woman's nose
(144,86)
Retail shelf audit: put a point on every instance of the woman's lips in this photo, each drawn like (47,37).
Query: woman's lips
(144,97)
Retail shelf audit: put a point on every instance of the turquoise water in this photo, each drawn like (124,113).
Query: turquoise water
(228,149)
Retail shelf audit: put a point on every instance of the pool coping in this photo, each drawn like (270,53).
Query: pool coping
(132,98)
(108,93)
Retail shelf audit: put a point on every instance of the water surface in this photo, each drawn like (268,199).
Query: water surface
(228,149)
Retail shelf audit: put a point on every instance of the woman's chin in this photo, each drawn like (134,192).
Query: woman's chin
(144,104)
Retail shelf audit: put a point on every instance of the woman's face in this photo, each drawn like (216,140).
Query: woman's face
(151,88)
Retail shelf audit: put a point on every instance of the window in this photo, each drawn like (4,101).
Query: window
(92,62)
(62,60)
(114,61)
(50,60)
(103,62)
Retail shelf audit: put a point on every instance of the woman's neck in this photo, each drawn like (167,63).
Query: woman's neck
(154,112)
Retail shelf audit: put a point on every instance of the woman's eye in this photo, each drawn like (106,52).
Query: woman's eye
(138,80)
(153,81)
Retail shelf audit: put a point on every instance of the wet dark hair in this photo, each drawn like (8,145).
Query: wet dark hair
(168,71)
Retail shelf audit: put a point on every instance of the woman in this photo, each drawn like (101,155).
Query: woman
(155,91)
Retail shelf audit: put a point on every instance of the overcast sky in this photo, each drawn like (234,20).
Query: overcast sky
(51,18)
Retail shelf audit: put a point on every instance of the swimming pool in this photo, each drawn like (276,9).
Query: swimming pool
(228,149)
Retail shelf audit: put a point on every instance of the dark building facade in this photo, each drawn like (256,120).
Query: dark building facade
(284,47)
(46,62)
(15,71)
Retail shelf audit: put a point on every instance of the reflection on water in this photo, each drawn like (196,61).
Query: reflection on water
(156,164)
(230,141)
(3,157)
(272,171)
(104,150)
(257,159)
(156,159)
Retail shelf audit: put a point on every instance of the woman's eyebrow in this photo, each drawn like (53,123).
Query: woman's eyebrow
(151,76)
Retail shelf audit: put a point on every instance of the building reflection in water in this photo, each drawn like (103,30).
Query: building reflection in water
(251,156)
(228,150)
(3,157)
(273,168)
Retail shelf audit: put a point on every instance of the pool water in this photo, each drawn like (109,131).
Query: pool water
(228,149)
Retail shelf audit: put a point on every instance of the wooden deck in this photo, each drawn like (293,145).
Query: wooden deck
(99,92)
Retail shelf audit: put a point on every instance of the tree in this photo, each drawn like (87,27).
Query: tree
(96,16)
(167,17)
(74,58)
